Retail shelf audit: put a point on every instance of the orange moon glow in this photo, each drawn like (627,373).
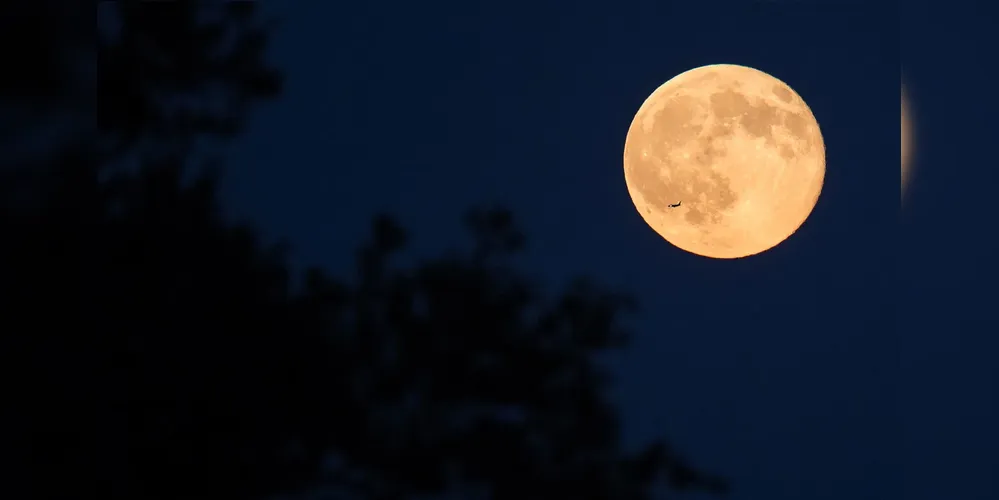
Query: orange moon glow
(737,149)
(906,142)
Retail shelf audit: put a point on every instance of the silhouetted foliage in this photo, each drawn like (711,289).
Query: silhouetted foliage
(455,370)
(39,38)
(171,359)
(172,71)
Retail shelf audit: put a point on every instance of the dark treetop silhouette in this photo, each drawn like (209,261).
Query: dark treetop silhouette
(173,360)
(236,387)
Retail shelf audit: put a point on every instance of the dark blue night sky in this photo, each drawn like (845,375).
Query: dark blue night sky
(840,364)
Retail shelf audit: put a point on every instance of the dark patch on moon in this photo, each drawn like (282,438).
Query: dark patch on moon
(786,152)
(782,93)
(759,119)
(675,124)
(729,104)
(719,197)
(707,151)
(756,118)
(723,129)
(797,124)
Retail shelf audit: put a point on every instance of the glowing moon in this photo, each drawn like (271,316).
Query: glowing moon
(906,142)
(738,149)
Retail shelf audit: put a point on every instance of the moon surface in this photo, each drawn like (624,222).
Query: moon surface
(738,149)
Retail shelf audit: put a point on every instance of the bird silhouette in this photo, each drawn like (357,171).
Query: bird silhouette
(675,204)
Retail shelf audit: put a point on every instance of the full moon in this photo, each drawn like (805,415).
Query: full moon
(724,161)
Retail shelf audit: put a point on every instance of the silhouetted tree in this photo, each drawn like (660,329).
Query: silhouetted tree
(164,74)
(172,72)
(471,376)
(170,359)
(455,371)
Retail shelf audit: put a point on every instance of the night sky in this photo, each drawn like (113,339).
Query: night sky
(851,361)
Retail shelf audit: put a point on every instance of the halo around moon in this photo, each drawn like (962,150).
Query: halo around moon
(906,137)
(737,149)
